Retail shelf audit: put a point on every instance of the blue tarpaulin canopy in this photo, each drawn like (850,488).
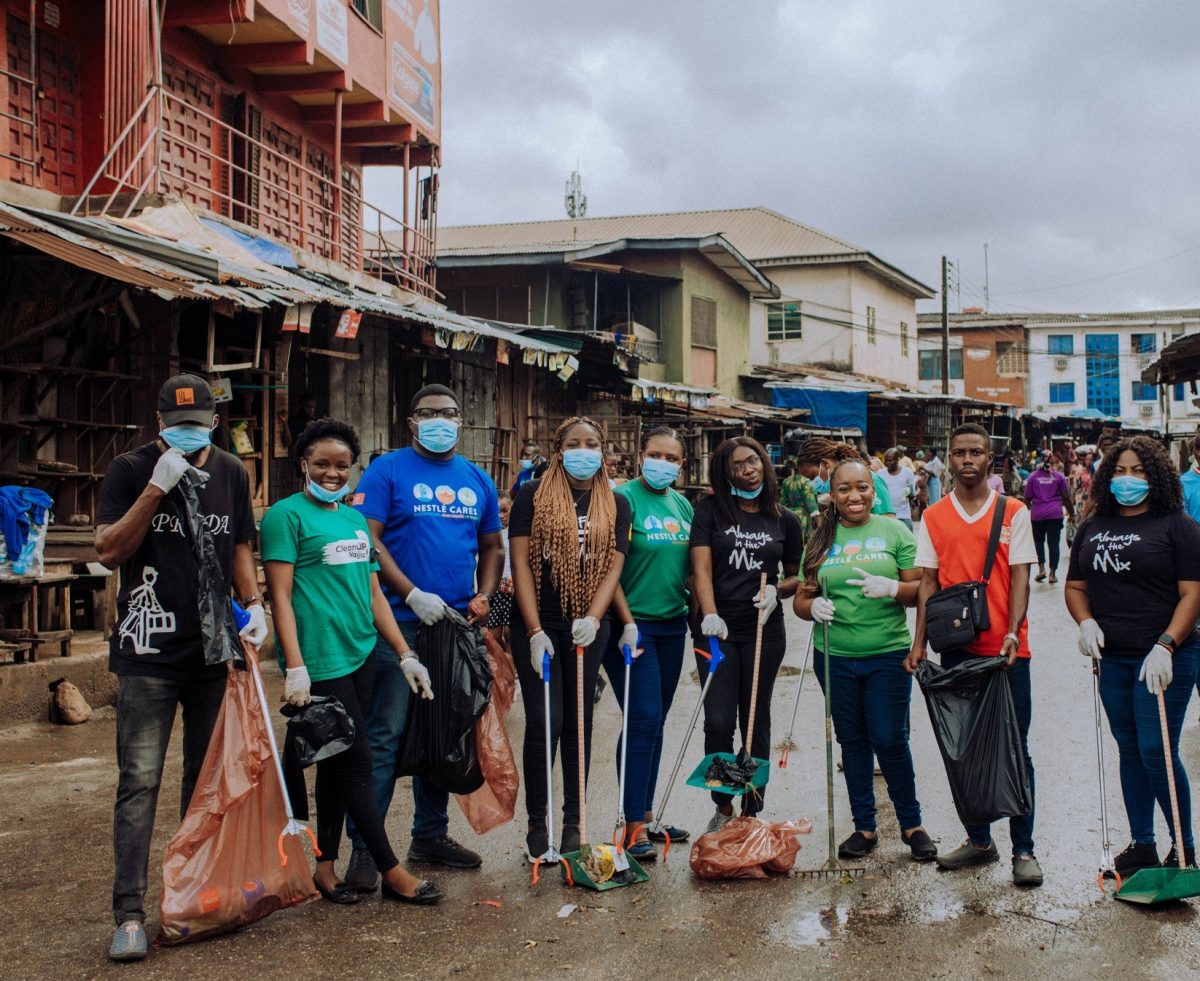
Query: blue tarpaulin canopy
(832,409)
(260,245)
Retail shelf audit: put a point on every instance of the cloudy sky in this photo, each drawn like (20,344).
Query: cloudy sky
(1064,134)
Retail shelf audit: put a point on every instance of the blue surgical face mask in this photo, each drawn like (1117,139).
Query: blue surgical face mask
(659,474)
(323,493)
(1129,491)
(582,464)
(526,464)
(437,435)
(821,483)
(748,495)
(187,439)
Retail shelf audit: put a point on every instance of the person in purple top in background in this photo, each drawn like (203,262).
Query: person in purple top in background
(1046,494)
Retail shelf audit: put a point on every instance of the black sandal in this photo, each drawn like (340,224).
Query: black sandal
(341,894)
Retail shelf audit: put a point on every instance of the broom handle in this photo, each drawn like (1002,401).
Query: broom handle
(749,743)
(1169,759)
(582,757)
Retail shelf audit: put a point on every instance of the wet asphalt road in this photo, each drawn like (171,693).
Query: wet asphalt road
(900,920)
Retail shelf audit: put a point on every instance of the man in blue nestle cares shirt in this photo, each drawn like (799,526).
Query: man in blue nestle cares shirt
(435,520)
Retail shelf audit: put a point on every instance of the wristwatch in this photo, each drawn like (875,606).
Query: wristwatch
(1168,642)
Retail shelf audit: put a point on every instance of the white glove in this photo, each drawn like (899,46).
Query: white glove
(629,638)
(823,610)
(429,607)
(417,676)
(297,689)
(766,605)
(1091,639)
(539,645)
(1156,670)
(875,587)
(713,626)
(255,632)
(583,631)
(171,466)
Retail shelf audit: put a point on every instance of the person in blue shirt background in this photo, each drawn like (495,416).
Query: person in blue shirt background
(434,519)
(533,464)
(1191,489)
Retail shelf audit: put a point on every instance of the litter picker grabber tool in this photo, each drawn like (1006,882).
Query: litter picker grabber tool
(1149,886)
(715,657)
(787,745)
(635,872)
(1108,868)
(551,855)
(832,867)
(725,773)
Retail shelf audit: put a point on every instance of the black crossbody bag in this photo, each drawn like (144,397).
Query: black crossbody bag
(956,614)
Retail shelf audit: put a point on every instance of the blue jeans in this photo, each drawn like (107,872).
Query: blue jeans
(390,699)
(652,683)
(1133,718)
(869,702)
(1020,828)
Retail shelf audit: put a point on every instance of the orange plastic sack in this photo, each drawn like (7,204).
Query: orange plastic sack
(495,802)
(222,869)
(747,848)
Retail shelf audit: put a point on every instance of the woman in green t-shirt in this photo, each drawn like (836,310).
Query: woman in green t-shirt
(865,562)
(327,605)
(652,605)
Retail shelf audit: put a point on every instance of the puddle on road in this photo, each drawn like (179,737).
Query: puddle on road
(813,928)
(816,927)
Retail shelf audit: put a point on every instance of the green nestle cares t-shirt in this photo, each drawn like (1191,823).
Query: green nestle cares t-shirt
(656,569)
(862,627)
(331,586)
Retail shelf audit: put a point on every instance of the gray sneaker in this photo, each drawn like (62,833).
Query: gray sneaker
(1026,871)
(966,855)
(361,874)
(717,821)
(128,942)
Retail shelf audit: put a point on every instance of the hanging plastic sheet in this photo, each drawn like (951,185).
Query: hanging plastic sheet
(747,848)
(217,628)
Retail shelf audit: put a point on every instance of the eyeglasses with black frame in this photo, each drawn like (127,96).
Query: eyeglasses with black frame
(424,414)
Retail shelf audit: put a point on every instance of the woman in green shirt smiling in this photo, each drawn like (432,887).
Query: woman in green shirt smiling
(652,604)
(866,563)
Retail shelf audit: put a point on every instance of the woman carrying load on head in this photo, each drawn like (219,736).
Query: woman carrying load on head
(866,564)
(569,534)
(739,533)
(1133,586)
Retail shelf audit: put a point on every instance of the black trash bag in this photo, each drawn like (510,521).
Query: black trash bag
(975,724)
(217,627)
(319,730)
(732,773)
(439,736)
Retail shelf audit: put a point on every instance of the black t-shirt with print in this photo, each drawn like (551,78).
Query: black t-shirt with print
(520,525)
(157,631)
(741,553)
(1132,566)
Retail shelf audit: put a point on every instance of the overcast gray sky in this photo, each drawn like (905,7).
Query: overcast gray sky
(1065,134)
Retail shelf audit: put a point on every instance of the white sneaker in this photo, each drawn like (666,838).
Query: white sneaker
(718,821)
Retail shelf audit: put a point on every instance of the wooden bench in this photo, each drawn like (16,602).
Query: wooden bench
(44,614)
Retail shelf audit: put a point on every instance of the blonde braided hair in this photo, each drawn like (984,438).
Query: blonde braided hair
(576,569)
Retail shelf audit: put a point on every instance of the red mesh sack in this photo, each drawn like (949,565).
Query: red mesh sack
(225,866)
(747,848)
(495,802)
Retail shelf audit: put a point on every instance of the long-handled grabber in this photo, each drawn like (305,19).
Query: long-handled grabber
(1108,868)
(551,855)
(632,871)
(787,745)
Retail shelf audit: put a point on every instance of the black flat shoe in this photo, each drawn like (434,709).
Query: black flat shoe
(341,894)
(857,846)
(921,845)
(426,895)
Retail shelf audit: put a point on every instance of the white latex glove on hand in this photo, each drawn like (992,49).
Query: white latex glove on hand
(255,632)
(1091,639)
(297,689)
(766,603)
(171,466)
(875,587)
(583,631)
(429,607)
(539,645)
(713,626)
(1157,670)
(629,638)
(823,610)
(417,676)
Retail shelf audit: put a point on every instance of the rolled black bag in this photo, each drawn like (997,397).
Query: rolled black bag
(439,735)
(319,730)
(975,724)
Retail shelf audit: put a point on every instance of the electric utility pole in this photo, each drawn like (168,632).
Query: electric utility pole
(945,327)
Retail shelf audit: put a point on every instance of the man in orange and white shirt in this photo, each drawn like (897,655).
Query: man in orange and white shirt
(951,548)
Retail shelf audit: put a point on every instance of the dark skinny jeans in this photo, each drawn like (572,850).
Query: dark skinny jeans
(1049,533)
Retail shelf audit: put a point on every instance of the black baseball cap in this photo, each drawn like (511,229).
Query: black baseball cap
(186,399)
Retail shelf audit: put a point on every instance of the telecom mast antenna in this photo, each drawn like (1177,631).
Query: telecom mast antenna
(576,200)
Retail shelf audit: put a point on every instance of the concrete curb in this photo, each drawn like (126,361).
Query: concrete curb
(25,692)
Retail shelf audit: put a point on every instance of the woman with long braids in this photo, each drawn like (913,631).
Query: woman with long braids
(569,534)
(1133,586)
(740,532)
(866,563)
(818,456)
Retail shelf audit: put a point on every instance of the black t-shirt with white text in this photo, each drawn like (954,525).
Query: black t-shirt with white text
(157,632)
(1132,567)
(741,553)
(520,524)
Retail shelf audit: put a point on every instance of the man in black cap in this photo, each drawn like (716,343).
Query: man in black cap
(156,649)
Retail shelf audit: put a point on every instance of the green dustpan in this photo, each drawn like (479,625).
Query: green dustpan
(634,875)
(1150,886)
(762,773)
